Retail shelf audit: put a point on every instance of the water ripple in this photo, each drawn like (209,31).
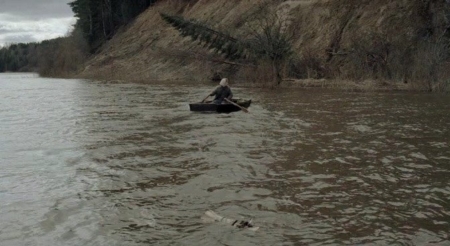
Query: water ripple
(85,162)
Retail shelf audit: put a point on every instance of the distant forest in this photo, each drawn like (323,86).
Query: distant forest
(97,22)
(19,57)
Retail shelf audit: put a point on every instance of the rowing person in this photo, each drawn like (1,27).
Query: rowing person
(221,92)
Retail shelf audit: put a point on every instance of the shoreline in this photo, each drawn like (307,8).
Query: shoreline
(336,85)
(368,85)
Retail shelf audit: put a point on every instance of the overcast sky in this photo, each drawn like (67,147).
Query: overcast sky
(23,21)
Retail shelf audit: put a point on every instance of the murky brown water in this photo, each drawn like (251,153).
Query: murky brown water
(90,163)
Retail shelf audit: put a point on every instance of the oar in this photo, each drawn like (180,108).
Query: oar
(205,99)
(237,105)
(208,95)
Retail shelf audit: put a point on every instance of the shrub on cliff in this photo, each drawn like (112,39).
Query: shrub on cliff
(267,40)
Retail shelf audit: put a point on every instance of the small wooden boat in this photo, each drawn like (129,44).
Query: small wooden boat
(220,108)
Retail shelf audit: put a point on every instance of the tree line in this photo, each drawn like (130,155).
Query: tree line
(54,57)
(97,22)
(18,57)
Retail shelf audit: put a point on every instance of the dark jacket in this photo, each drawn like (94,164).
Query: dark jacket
(222,92)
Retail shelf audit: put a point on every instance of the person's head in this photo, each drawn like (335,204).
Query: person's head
(224,82)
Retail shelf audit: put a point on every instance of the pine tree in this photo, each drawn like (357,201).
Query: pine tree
(222,43)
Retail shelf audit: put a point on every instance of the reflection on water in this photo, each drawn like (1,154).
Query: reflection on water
(127,164)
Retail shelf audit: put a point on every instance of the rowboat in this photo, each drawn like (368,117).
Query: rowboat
(220,108)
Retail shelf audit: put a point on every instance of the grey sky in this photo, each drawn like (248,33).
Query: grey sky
(34,20)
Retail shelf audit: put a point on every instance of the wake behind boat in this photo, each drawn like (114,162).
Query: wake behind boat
(220,108)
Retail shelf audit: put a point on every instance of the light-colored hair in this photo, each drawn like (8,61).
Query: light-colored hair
(224,82)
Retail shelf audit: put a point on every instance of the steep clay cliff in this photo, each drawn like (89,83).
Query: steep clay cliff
(329,37)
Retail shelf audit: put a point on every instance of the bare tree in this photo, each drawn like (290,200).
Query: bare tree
(270,38)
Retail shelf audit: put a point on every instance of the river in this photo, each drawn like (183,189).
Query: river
(107,163)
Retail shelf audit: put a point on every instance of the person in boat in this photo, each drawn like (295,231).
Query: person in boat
(221,92)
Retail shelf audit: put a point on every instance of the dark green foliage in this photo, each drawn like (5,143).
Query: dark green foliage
(269,43)
(217,41)
(269,40)
(99,20)
(17,57)
(54,57)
